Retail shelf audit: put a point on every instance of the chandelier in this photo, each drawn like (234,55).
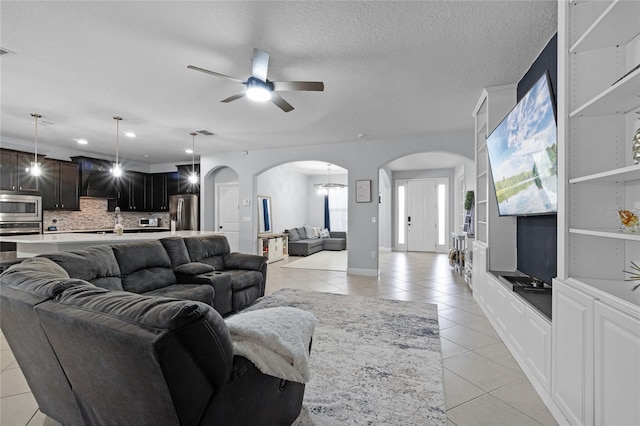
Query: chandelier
(324,187)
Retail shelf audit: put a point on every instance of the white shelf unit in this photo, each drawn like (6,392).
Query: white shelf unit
(599,102)
(497,234)
(596,316)
(273,246)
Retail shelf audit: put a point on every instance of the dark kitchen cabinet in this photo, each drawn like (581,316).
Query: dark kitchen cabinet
(184,186)
(60,183)
(14,172)
(160,195)
(135,192)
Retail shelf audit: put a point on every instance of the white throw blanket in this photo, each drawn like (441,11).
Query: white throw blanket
(276,340)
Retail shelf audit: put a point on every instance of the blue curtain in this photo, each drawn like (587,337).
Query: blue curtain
(327,221)
(265,210)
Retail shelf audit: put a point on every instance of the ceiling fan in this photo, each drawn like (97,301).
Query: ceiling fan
(259,88)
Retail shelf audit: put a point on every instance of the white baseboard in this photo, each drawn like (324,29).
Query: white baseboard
(364,272)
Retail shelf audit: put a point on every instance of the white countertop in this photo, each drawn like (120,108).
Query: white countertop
(107,230)
(74,238)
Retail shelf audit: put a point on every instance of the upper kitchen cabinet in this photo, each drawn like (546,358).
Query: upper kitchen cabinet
(14,172)
(164,184)
(184,186)
(135,191)
(60,182)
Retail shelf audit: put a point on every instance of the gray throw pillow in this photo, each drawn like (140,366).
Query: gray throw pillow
(302,233)
(293,234)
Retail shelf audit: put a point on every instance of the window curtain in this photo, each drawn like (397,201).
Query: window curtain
(327,213)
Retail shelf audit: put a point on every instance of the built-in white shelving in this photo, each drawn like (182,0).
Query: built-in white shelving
(596,316)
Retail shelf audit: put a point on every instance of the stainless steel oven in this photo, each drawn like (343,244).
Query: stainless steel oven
(19,215)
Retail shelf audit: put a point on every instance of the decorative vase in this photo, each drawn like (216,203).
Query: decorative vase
(636,147)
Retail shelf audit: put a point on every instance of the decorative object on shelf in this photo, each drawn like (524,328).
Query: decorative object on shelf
(363,191)
(636,147)
(116,171)
(629,220)
(634,275)
(469,214)
(193,177)
(324,187)
(468,200)
(35,169)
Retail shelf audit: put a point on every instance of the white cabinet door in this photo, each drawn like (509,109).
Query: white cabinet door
(617,366)
(572,369)
(479,274)
(537,347)
(515,322)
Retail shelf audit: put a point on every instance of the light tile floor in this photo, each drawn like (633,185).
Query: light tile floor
(483,383)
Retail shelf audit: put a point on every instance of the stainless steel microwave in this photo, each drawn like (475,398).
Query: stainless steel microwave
(148,221)
(20,208)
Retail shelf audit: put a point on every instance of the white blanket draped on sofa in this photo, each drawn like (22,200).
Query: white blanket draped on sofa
(276,340)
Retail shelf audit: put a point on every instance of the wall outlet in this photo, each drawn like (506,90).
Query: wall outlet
(246,202)
(373,253)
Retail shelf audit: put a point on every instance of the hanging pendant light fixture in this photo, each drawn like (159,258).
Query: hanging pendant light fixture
(323,188)
(116,171)
(193,177)
(35,169)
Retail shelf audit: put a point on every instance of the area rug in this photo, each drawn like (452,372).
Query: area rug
(324,260)
(373,361)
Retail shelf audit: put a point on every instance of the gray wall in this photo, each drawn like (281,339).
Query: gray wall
(362,159)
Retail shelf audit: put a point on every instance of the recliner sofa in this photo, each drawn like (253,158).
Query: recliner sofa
(94,356)
(199,268)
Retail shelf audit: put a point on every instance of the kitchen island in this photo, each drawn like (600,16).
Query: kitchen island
(33,245)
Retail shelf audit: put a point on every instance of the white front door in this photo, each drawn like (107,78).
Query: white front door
(227,213)
(421,215)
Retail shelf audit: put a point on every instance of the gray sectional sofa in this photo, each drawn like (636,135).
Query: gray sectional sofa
(301,245)
(108,346)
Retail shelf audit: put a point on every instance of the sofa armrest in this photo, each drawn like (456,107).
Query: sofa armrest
(249,262)
(338,234)
(186,273)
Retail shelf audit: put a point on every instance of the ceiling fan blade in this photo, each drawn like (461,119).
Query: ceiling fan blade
(281,103)
(259,64)
(217,74)
(308,86)
(234,97)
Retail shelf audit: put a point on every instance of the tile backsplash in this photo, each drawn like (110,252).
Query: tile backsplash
(93,214)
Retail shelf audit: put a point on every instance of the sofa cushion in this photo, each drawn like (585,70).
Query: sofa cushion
(324,233)
(177,250)
(302,233)
(311,233)
(293,234)
(96,265)
(144,266)
(208,249)
(193,268)
(199,292)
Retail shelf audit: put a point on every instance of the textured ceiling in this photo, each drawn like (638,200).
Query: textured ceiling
(390,69)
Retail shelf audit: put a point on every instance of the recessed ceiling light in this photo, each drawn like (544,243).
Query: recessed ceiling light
(130,134)
(146,155)
(188,151)
(82,141)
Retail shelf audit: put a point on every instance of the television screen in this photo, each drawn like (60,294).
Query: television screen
(523,155)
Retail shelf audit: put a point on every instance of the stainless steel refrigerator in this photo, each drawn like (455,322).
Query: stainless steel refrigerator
(185,210)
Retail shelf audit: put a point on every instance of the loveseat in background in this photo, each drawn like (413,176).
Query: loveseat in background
(300,244)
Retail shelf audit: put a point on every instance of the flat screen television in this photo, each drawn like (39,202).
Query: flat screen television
(523,155)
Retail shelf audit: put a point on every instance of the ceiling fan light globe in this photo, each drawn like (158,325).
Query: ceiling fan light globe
(258,94)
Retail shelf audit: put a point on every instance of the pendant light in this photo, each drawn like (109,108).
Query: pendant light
(35,169)
(193,177)
(116,171)
(324,187)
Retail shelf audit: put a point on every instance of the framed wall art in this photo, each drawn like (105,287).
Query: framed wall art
(363,191)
